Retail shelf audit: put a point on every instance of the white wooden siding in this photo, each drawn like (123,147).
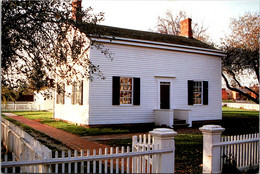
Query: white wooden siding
(147,63)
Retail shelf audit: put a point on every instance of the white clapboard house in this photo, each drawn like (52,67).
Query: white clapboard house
(153,78)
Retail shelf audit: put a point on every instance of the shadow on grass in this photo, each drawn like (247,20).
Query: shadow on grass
(238,121)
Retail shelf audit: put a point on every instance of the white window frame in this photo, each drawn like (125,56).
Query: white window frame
(77,93)
(195,92)
(132,91)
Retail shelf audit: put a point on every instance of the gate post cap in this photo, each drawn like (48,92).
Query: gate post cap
(211,129)
(163,132)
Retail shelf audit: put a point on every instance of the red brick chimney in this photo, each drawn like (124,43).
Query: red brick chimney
(186,29)
(76,9)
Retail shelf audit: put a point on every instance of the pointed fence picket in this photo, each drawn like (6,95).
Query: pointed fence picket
(113,162)
(24,146)
(144,157)
(244,149)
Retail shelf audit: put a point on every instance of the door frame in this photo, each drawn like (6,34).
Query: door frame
(169,93)
(169,79)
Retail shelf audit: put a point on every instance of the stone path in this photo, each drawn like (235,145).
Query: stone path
(70,140)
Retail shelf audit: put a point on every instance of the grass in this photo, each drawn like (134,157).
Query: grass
(41,137)
(35,115)
(118,142)
(188,153)
(46,118)
(83,131)
(239,121)
(228,101)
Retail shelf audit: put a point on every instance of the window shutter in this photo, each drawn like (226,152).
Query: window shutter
(115,90)
(81,93)
(136,95)
(190,92)
(205,93)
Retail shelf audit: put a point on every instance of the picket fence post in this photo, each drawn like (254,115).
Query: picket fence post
(164,139)
(211,154)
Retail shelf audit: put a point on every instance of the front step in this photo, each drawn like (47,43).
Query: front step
(178,124)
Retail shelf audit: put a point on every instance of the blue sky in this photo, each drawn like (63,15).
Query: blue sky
(143,14)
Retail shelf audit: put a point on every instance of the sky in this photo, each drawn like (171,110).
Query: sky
(143,14)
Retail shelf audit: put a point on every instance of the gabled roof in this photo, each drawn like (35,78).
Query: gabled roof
(102,30)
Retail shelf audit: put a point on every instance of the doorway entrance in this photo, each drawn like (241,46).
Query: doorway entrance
(164,95)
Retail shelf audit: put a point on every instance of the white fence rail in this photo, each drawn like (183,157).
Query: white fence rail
(143,158)
(23,145)
(249,106)
(18,106)
(243,149)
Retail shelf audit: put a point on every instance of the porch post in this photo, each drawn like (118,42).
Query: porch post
(211,155)
(164,139)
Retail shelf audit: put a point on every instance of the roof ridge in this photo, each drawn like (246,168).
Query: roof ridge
(104,30)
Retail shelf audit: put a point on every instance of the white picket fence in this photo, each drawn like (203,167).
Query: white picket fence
(23,145)
(249,106)
(18,106)
(152,157)
(244,149)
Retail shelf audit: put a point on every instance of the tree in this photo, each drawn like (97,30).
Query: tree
(171,25)
(242,48)
(37,52)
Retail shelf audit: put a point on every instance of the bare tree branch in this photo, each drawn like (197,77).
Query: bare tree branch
(256,100)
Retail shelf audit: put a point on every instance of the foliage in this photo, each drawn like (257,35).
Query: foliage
(171,25)
(8,94)
(40,42)
(242,48)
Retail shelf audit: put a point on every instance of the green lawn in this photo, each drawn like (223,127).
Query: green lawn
(46,118)
(35,115)
(51,143)
(188,153)
(239,121)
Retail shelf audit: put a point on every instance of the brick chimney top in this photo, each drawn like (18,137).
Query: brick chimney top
(76,9)
(186,29)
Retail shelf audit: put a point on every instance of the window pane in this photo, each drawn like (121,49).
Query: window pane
(197,92)
(126,90)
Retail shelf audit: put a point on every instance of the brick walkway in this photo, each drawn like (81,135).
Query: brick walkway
(70,140)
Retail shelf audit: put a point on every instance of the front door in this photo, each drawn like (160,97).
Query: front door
(164,95)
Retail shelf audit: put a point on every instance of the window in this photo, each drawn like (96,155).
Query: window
(197,92)
(77,93)
(61,94)
(125,91)
(126,86)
